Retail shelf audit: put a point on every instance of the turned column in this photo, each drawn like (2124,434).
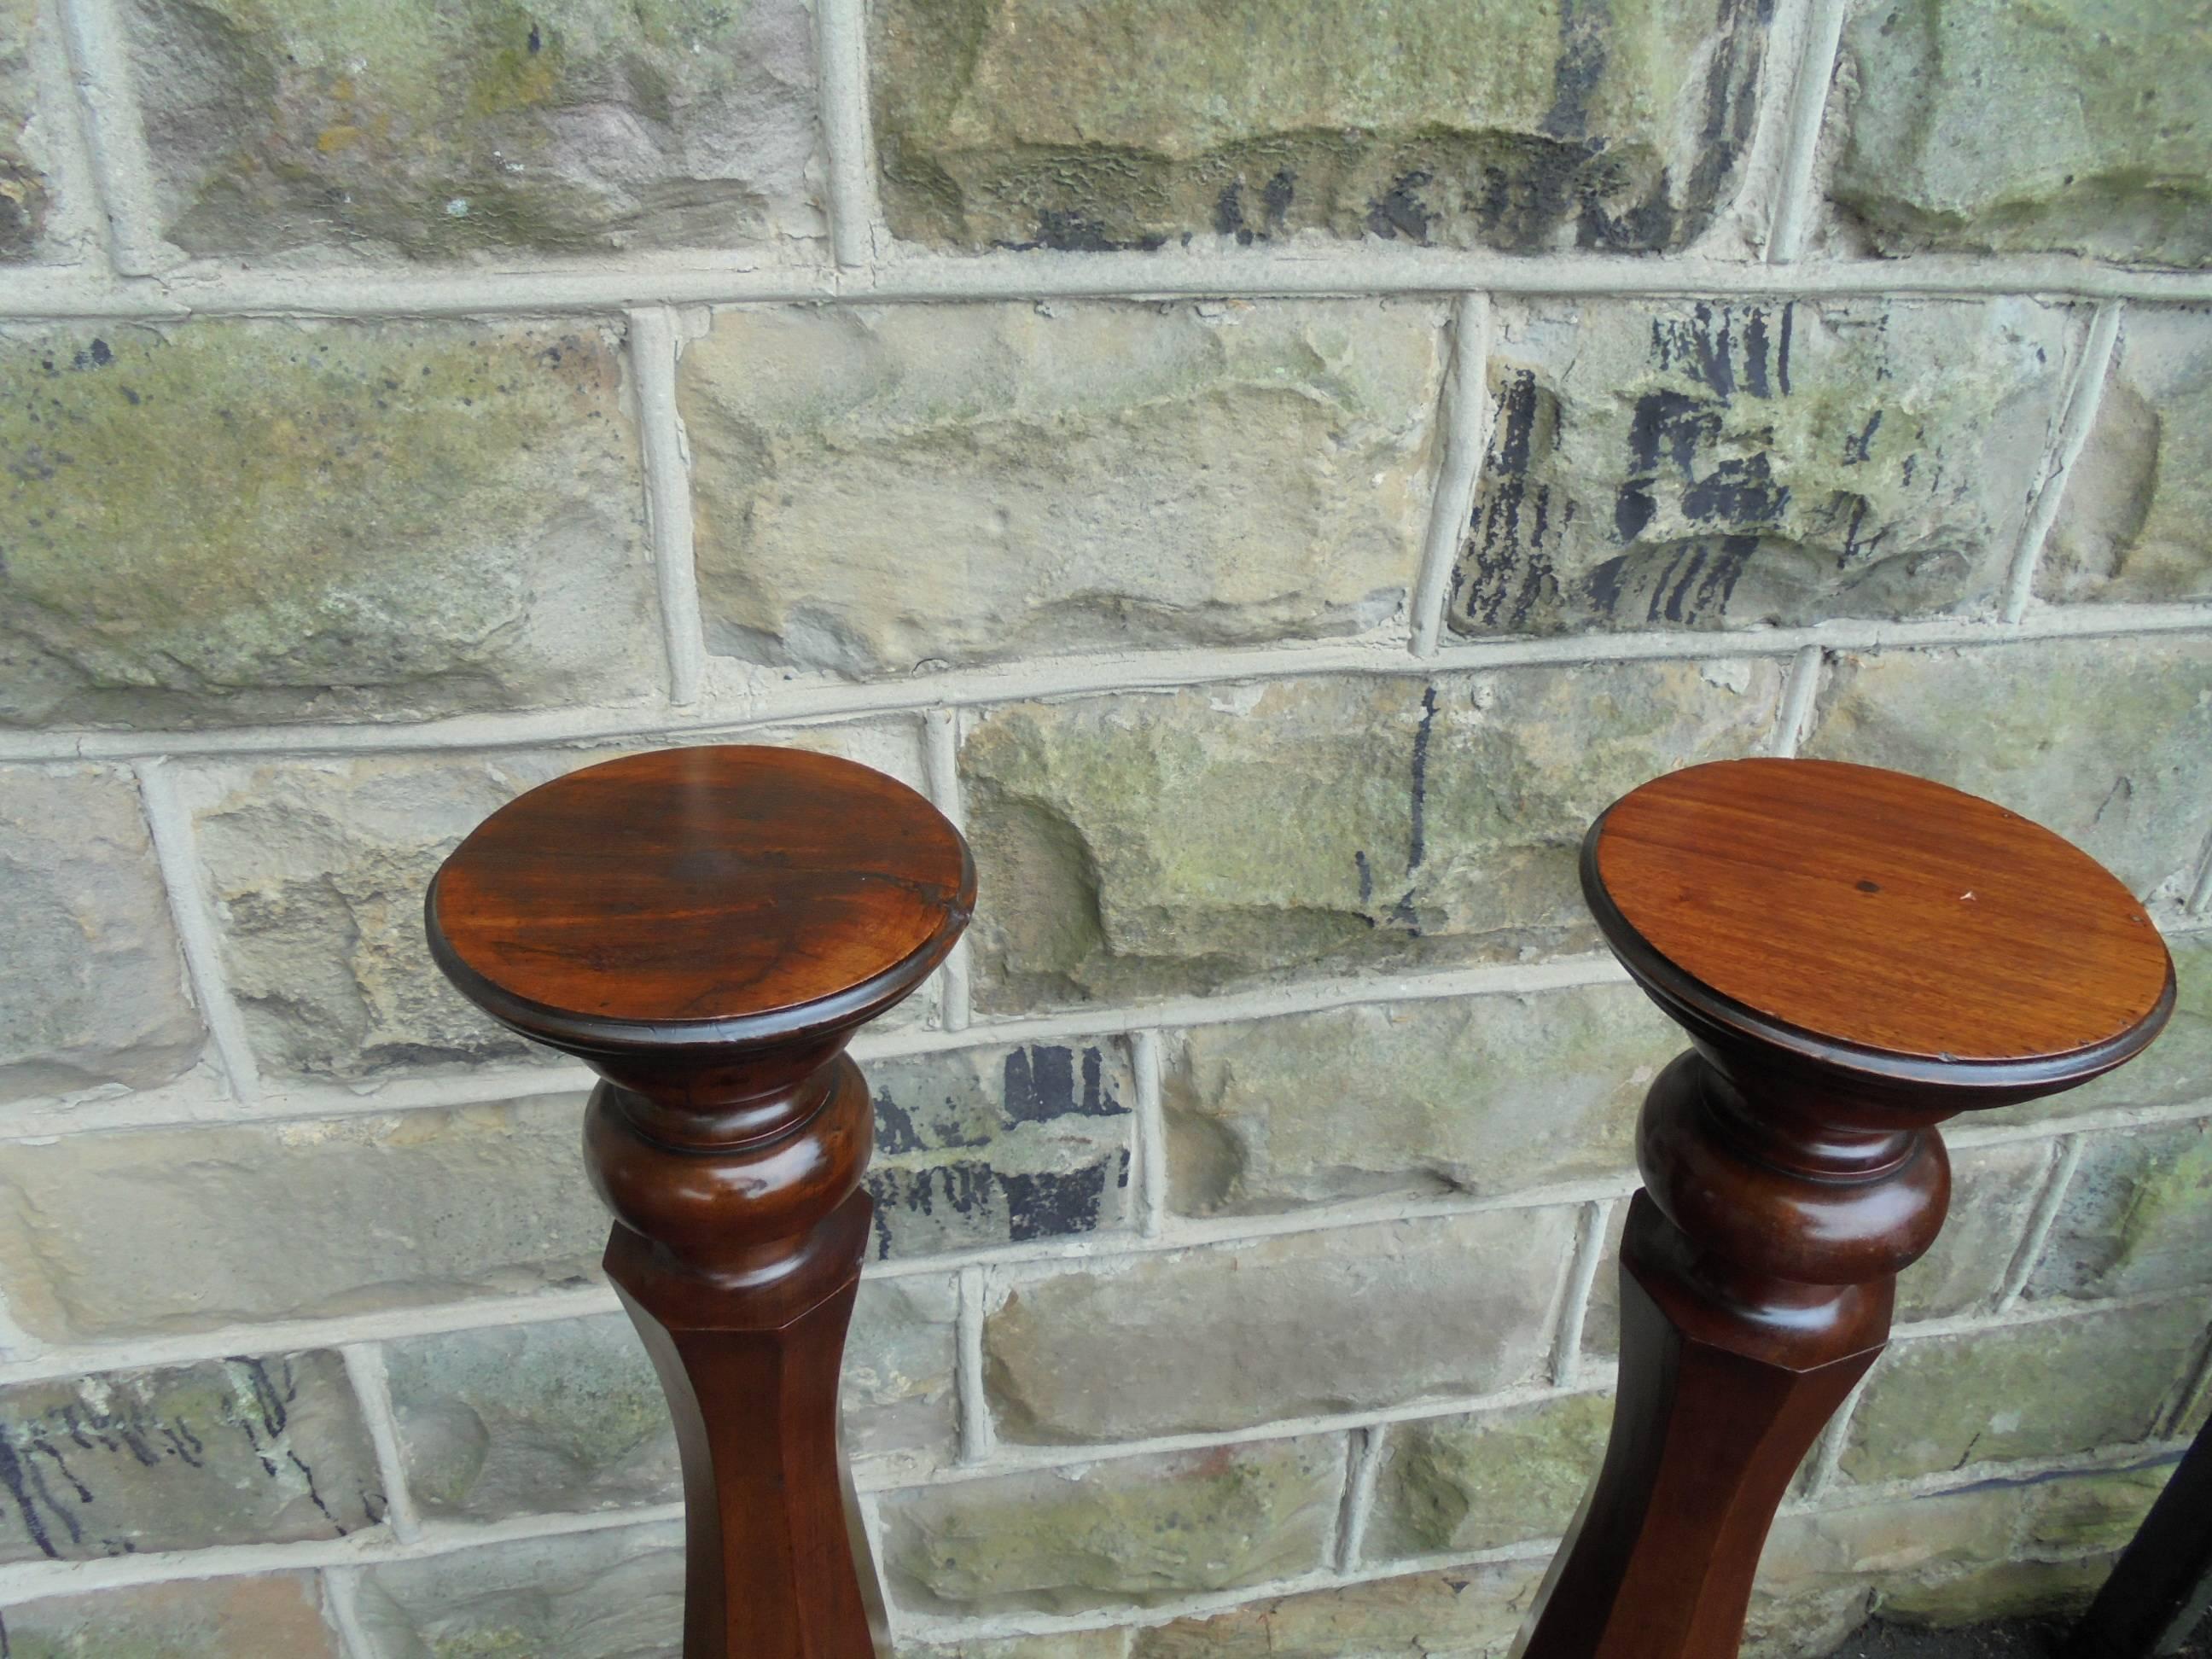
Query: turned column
(1857,956)
(706,928)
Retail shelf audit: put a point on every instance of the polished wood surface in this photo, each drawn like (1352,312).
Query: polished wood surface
(706,928)
(1881,911)
(1807,923)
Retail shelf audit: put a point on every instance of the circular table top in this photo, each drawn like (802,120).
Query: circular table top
(702,894)
(1878,911)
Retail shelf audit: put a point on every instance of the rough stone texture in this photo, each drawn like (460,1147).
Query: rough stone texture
(1278,1327)
(1132,1530)
(567,1415)
(230,1451)
(986,1147)
(1984,124)
(27,187)
(92,986)
(2136,1217)
(1464,1613)
(2177,1069)
(275,1616)
(1473,1483)
(1184,840)
(1710,464)
(318,870)
(2042,1390)
(437,132)
(2132,524)
(294,1220)
(612,1594)
(238,521)
(2109,745)
(1066,1644)
(1993,1189)
(1478,1094)
(998,480)
(1077,125)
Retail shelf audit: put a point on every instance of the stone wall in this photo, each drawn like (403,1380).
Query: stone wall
(1272,473)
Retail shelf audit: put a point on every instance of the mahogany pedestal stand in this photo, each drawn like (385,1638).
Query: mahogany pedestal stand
(1857,956)
(706,928)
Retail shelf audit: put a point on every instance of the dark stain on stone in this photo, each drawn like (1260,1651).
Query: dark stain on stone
(536,41)
(1275,199)
(1507,572)
(1859,450)
(1052,1204)
(1418,848)
(98,354)
(1580,68)
(1400,211)
(1068,232)
(1229,213)
(1366,877)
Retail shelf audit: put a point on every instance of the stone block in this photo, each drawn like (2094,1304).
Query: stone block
(616,1594)
(1717,464)
(1065,1644)
(239,521)
(1130,1531)
(1993,1190)
(28,192)
(268,1450)
(984,1146)
(1477,1094)
(2136,1217)
(567,1416)
(298,1219)
(1983,125)
(1461,1483)
(318,869)
(1126,124)
(92,986)
(278,1615)
(428,131)
(1185,841)
(1017,480)
(1348,1318)
(2049,1389)
(2110,746)
(1468,1613)
(2131,525)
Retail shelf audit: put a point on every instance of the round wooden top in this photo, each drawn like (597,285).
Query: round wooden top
(700,895)
(1877,911)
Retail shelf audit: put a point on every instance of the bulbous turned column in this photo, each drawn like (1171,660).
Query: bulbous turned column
(1857,956)
(706,928)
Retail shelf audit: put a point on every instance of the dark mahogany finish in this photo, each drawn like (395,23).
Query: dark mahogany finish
(1857,956)
(706,928)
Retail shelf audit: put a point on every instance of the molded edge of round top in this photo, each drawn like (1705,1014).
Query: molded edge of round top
(1836,952)
(565,916)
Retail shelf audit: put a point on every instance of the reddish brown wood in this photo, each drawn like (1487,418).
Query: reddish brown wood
(1857,956)
(706,928)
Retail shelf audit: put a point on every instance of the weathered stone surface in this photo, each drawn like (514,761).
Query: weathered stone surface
(1065,1645)
(2177,1069)
(1478,1095)
(1000,1146)
(2109,747)
(246,521)
(1336,1321)
(2041,1390)
(1473,1483)
(435,131)
(1131,1530)
(293,1220)
(1469,1612)
(1185,841)
(1602,1313)
(229,1451)
(612,1594)
(1000,481)
(92,986)
(274,1616)
(567,1415)
(2136,1217)
(1993,1189)
(318,870)
(1711,465)
(1078,125)
(1977,124)
(2132,524)
(27,186)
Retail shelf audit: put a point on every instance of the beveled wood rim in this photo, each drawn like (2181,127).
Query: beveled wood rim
(1693,1003)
